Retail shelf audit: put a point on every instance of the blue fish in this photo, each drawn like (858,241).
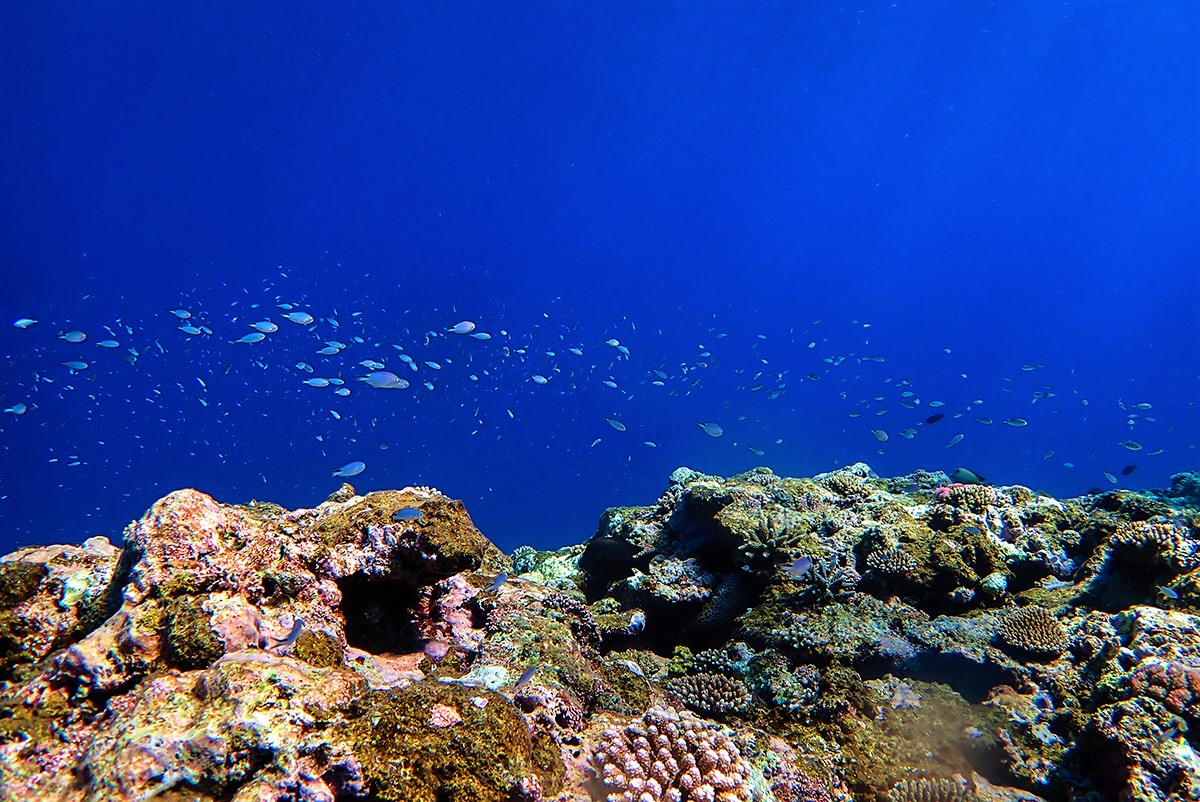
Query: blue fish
(351,469)
(408,514)
(799,568)
(497,582)
(525,677)
(283,643)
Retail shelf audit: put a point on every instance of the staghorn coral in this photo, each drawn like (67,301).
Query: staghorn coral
(772,542)
(931,789)
(716,694)
(772,677)
(670,756)
(1034,630)
(828,579)
(1176,685)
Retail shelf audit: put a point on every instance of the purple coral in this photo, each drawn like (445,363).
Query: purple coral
(670,756)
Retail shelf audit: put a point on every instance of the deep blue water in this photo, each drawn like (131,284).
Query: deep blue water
(960,189)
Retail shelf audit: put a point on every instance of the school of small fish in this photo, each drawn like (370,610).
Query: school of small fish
(339,357)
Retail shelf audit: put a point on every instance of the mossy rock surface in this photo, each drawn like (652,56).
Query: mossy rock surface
(191,642)
(19,581)
(407,757)
(318,649)
(444,528)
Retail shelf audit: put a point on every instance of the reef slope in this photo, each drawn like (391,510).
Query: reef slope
(840,637)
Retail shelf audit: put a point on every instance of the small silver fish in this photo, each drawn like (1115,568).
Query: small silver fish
(407,514)
(351,469)
(497,583)
(632,666)
(1168,593)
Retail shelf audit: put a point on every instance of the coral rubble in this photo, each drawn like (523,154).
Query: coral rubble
(757,637)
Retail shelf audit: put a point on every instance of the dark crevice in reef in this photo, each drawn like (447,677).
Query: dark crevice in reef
(380,614)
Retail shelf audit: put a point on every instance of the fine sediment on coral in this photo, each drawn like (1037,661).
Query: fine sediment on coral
(755,637)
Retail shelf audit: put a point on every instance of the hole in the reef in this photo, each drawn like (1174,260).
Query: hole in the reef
(970,680)
(269,586)
(380,614)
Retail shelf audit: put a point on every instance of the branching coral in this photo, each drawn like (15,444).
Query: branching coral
(1034,630)
(670,756)
(975,498)
(716,694)
(1155,543)
(892,562)
(773,542)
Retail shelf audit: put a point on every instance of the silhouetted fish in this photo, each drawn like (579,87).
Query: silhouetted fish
(967,476)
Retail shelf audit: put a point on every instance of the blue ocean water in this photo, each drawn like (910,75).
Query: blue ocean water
(816,221)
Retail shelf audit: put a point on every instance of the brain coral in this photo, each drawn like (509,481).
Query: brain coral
(670,756)
(1034,630)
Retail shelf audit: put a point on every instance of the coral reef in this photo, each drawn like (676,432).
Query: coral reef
(841,638)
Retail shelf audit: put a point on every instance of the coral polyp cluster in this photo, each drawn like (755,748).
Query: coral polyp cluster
(670,756)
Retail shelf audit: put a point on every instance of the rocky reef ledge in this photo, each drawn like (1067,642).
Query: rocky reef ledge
(841,637)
